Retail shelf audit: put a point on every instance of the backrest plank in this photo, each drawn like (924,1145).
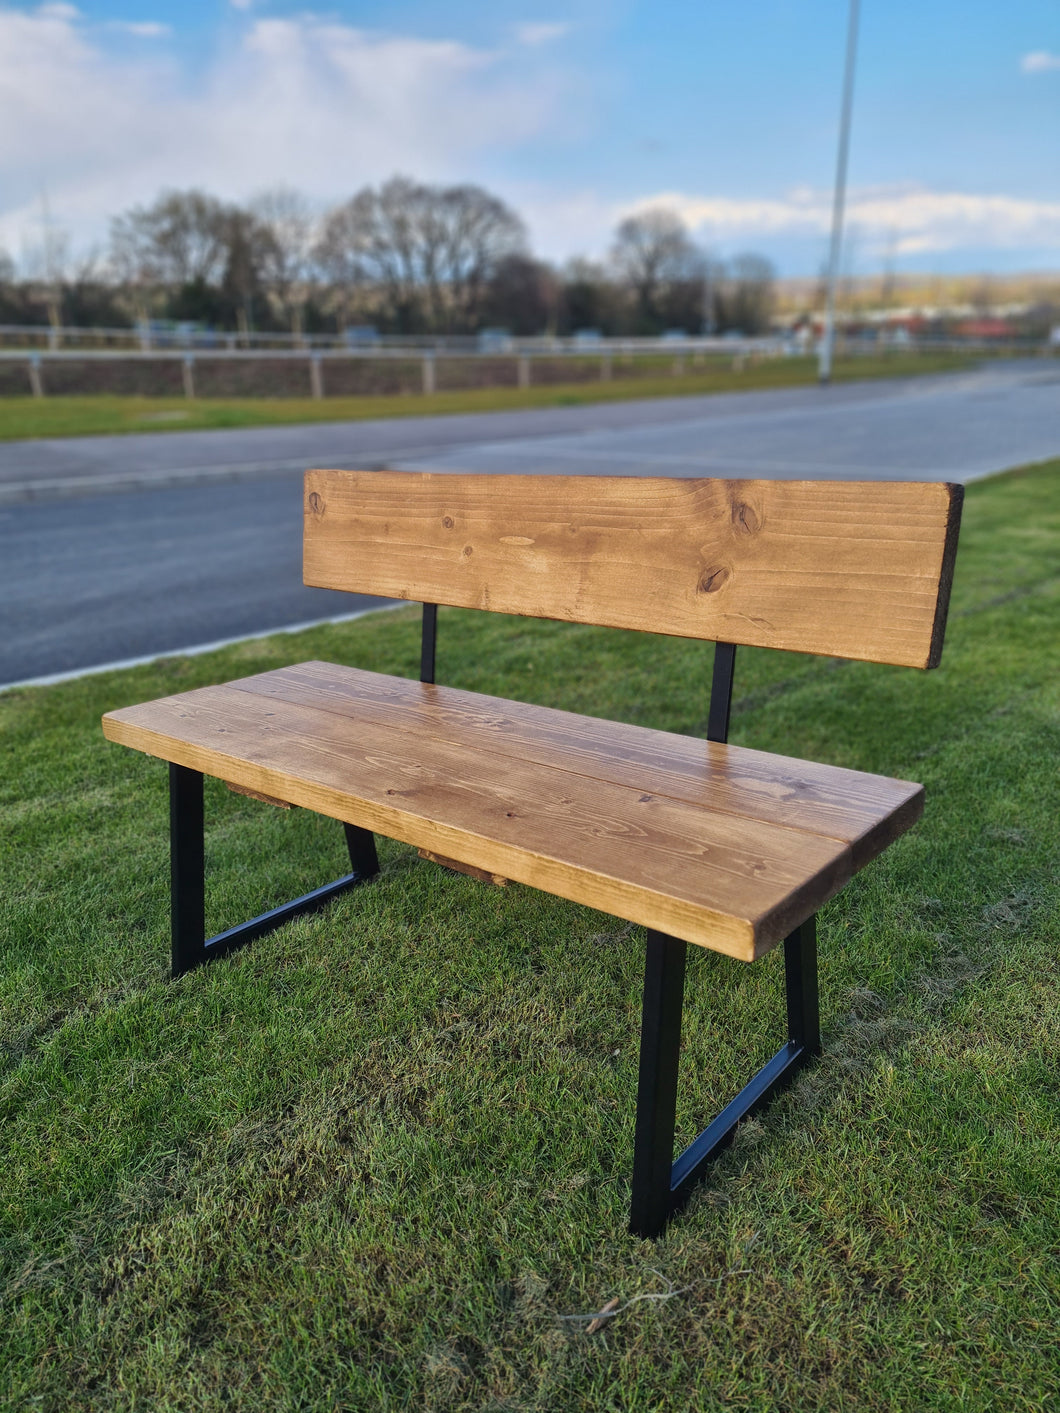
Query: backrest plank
(848,569)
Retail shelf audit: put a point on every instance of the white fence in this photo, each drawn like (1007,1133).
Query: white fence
(415,365)
(511,364)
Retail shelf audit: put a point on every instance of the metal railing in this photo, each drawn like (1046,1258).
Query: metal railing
(156,338)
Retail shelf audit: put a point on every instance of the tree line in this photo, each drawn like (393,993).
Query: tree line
(404,257)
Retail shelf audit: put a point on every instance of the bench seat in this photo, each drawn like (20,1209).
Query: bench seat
(718,845)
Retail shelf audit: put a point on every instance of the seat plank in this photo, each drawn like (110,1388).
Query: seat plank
(734,884)
(849,569)
(865,811)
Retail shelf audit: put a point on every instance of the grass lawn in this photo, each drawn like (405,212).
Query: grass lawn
(379,1160)
(101,413)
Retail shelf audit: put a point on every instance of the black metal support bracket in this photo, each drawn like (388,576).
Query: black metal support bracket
(721,692)
(190,945)
(428,641)
(661,1184)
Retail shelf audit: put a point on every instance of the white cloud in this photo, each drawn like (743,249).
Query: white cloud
(140,29)
(324,107)
(306,101)
(905,221)
(540,32)
(1039,62)
(241,4)
(917,220)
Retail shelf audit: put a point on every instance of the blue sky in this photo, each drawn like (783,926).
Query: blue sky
(576,113)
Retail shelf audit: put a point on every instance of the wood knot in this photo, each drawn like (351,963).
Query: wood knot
(744,517)
(468,551)
(711,580)
(315,502)
(447,522)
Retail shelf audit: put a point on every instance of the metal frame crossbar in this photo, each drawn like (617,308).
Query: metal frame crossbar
(191,946)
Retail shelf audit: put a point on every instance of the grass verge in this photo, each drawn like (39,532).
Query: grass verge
(379,1160)
(22,417)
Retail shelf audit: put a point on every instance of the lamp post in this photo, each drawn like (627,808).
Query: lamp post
(824,372)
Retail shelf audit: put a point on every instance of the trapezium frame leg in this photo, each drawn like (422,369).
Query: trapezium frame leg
(660,1045)
(190,945)
(661,1185)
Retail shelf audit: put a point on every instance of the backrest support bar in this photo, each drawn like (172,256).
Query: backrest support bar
(848,569)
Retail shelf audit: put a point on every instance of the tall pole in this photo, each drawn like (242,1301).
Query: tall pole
(828,339)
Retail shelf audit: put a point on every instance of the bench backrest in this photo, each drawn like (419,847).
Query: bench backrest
(847,569)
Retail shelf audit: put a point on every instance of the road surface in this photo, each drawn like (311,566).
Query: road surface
(116,548)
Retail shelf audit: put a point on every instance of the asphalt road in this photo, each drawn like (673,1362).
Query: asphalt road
(113,548)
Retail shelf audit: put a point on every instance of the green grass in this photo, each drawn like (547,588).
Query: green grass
(379,1160)
(101,413)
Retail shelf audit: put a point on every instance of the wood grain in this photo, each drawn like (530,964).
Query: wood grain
(854,570)
(864,811)
(714,844)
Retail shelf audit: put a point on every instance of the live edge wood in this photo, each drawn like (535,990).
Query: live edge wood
(847,569)
(725,847)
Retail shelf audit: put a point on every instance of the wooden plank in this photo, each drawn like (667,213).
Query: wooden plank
(856,570)
(865,811)
(455,867)
(257,795)
(734,884)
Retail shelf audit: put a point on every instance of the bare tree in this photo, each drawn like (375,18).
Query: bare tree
(466,233)
(388,224)
(287,238)
(652,252)
(47,263)
(429,252)
(176,243)
(180,240)
(340,256)
(245,257)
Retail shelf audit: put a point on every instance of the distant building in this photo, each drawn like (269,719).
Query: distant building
(984,329)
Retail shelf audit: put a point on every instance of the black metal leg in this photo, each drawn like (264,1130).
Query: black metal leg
(191,946)
(661,1185)
(800,976)
(361,844)
(660,1044)
(186,868)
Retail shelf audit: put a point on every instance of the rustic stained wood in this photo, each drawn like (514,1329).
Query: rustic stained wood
(725,847)
(865,811)
(854,570)
(455,866)
(257,795)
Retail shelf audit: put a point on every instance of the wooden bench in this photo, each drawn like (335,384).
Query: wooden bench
(701,842)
